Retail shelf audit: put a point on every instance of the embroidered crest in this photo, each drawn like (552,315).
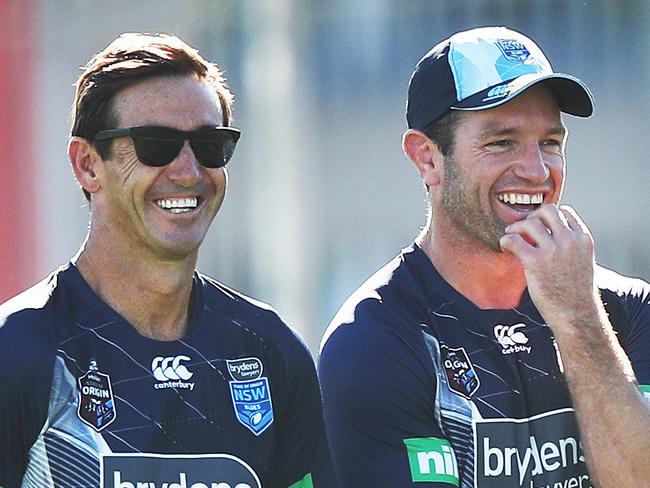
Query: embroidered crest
(461,376)
(513,50)
(251,394)
(96,407)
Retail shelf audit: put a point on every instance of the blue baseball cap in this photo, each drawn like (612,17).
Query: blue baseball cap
(484,68)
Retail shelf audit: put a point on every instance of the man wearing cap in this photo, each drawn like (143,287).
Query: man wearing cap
(493,352)
(126,367)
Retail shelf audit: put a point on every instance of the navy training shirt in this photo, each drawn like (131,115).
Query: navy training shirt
(422,388)
(86,401)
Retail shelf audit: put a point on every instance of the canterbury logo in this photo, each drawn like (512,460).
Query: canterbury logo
(170,368)
(512,340)
(498,92)
(509,335)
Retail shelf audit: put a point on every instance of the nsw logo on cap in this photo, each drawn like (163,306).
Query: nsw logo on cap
(513,50)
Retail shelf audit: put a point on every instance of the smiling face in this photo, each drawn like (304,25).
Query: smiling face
(506,162)
(163,211)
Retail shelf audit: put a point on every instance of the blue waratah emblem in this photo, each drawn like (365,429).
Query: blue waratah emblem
(252,403)
(513,50)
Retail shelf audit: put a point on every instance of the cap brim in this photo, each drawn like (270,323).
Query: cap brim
(572,95)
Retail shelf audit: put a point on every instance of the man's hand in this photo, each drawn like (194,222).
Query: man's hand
(557,252)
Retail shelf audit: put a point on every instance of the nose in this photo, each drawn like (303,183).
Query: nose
(532,164)
(185,168)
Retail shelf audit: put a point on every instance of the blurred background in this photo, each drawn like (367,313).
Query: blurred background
(320,193)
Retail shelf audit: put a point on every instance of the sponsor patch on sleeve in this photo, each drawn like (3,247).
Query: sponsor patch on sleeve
(432,459)
(645,389)
(306,482)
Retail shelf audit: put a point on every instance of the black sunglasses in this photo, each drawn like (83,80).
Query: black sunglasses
(158,146)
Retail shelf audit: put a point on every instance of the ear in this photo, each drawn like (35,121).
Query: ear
(424,155)
(85,162)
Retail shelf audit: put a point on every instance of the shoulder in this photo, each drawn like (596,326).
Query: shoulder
(390,305)
(26,317)
(377,376)
(379,331)
(627,302)
(252,316)
(622,285)
(28,337)
(30,302)
(617,290)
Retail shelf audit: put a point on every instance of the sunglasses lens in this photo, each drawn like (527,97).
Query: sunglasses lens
(159,146)
(155,151)
(214,149)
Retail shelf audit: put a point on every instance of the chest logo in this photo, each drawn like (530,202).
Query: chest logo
(96,406)
(244,369)
(170,372)
(511,339)
(513,50)
(251,394)
(461,375)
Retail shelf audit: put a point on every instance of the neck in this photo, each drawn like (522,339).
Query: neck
(489,279)
(153,295)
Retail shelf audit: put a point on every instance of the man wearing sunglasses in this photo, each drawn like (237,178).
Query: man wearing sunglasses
(126,367)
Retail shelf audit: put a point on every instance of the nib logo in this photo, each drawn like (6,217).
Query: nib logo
(512,339)
(432,459)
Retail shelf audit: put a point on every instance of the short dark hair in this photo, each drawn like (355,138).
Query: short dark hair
(442,131)
(131,58)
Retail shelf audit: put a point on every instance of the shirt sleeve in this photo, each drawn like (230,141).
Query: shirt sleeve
(379,397)
(302,443)
(634,313)
(25,375)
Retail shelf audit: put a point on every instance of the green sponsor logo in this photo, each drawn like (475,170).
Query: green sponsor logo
(306,482)
(432,459)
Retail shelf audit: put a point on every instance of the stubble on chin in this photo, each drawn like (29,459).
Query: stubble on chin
(461,203)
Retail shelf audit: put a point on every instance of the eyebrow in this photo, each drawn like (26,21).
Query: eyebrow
(558,130)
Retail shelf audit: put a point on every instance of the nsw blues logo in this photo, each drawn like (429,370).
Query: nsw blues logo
(461,376)
(96,405)
(251,394)
(513,50)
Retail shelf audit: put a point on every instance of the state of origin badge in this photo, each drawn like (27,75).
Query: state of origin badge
(461,375)
(96,405)
(251,394)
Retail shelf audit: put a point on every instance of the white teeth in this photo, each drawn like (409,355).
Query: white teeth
(178,205)
(520,198)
